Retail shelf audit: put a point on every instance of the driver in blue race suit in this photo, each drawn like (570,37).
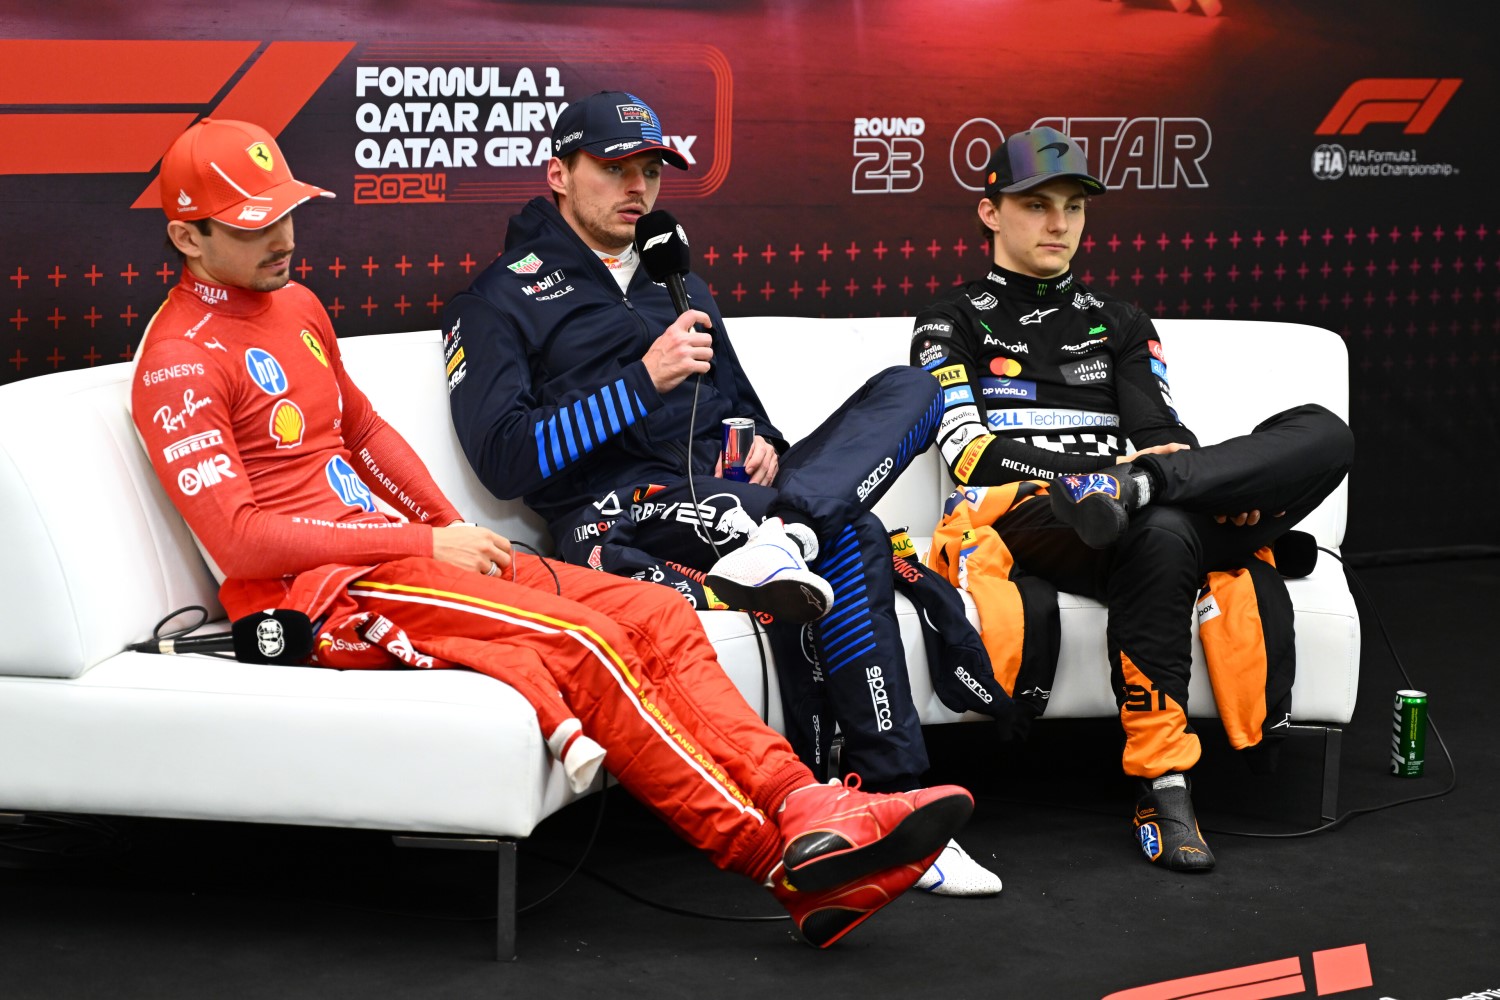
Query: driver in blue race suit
(574,381)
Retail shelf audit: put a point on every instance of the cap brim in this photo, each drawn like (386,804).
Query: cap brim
(609,149)
(1090,184)
(269,206)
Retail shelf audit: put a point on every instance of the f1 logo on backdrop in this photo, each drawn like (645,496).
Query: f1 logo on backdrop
(273,84)
(1414,103)
(1335,970)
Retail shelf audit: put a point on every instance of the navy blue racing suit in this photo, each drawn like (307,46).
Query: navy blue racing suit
(552,401)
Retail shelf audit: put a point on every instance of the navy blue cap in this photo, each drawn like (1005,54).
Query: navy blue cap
(612,125)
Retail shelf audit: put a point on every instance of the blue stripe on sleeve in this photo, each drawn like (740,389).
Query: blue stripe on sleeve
(599,432)
(583,426)
(607,394)
(567,429)
(557,459)
(541,452)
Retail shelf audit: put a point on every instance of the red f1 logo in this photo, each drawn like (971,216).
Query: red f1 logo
(1335,970)
(1416,102)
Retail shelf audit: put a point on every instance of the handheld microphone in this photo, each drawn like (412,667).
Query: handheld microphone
(275,636)
(663,247)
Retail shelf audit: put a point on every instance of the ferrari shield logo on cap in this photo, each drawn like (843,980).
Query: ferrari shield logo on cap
(260,155)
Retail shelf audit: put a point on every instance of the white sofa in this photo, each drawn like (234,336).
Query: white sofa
(94,555)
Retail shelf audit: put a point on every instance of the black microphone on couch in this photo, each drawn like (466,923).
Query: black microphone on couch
(278,636)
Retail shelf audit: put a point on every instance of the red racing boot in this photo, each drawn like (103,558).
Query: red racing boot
(824,916)
(834,833)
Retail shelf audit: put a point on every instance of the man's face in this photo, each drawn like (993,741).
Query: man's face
(1037,231)
(602,199)
(257,259)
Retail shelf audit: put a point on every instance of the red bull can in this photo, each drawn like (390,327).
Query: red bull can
(1409,733)
(739,435)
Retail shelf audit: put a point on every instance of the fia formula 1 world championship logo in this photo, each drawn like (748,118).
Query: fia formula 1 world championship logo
(1413,103)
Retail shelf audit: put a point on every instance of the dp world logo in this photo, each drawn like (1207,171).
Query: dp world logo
(1329,161)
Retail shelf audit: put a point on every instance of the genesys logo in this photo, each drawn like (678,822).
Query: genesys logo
(1385,103)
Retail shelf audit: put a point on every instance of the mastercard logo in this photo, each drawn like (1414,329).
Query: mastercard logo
(1005,367)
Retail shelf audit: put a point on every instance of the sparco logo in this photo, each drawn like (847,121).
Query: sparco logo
(882,701)
(973,685)
(875,478)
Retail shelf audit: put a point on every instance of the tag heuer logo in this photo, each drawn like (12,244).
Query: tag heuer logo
(530,264)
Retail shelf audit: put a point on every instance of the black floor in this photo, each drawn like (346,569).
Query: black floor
(1410,893)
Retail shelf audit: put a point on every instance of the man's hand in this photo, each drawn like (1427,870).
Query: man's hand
(468,546)
(761,464)
(1159,449)
(679,352)
(1241,520)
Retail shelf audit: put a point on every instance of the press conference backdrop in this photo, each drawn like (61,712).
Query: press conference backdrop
(1323,163)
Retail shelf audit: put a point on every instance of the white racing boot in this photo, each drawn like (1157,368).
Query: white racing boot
(954,873)
(769,573)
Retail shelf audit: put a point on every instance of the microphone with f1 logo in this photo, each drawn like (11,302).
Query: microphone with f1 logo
(663,247)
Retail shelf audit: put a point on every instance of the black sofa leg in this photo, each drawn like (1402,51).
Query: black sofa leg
(505,902)
(1333,739)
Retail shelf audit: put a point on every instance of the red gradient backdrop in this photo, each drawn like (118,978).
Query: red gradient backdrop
(1321,164)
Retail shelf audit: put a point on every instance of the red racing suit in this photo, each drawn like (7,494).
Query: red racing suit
(275,459)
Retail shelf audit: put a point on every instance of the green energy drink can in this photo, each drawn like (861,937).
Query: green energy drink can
(1409,733)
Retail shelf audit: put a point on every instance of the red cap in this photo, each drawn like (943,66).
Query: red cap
(231,171)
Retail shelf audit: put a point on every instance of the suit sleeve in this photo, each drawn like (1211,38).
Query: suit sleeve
(1144,394)
(942,344)
(394,467)
(514,441)
(212,492)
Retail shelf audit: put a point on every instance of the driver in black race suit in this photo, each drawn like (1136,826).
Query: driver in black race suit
(1064,391)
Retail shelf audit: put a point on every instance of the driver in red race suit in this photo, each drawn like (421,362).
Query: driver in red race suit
(274,458)
(1045,381)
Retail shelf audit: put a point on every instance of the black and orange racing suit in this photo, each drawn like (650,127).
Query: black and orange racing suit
(1044,378)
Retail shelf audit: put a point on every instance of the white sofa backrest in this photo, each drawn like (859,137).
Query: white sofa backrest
(1226,377)
(93,552)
